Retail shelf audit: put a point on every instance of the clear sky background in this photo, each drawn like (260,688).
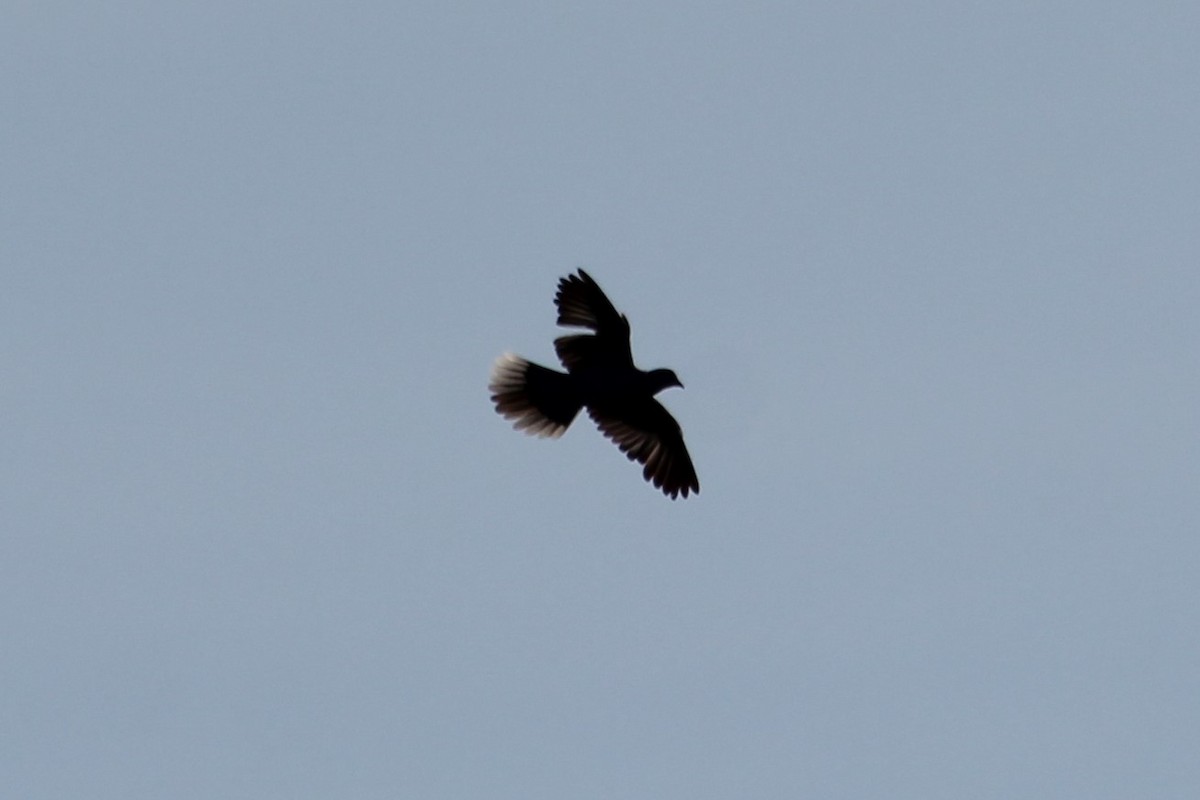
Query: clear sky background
(929,271)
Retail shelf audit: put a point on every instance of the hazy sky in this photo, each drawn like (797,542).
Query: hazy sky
(929,271)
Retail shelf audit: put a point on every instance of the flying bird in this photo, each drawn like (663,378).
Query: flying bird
(600,376)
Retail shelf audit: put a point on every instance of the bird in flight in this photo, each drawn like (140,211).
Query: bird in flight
(601,376)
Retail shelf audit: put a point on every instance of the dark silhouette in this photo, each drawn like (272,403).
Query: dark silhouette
(600,375)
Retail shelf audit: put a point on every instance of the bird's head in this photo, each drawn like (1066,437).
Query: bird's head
(660,379)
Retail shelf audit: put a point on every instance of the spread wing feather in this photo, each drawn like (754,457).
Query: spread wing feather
(582,304)
(647,433)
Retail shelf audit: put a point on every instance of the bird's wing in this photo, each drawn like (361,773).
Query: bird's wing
(647,433)
(581,303)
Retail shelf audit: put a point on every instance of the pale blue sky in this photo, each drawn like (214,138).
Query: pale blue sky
(928,271)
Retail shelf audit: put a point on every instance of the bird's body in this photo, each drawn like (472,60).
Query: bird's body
(605,385)
(600,376)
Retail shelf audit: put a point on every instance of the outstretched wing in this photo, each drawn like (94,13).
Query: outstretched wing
(581,303)
(647,433)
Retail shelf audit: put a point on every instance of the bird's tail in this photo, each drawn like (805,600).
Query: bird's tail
(539,401)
